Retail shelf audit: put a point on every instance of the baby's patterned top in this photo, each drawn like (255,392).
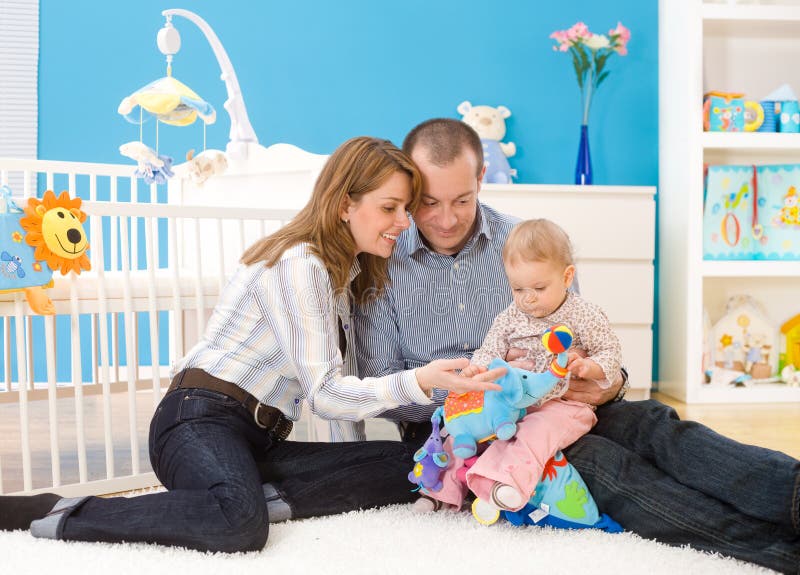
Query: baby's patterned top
(513,328)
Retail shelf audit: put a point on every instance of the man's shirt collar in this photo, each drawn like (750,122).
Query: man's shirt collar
(414,242)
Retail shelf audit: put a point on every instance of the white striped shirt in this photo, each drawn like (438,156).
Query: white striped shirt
(274,333)
(436,307)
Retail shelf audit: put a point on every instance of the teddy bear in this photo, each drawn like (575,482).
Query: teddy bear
(490,125)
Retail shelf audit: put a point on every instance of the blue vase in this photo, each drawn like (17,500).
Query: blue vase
(583,169)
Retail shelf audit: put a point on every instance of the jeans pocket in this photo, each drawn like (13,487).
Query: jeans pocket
(200,403)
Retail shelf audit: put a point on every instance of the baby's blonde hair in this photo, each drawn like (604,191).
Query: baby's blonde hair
(538,241)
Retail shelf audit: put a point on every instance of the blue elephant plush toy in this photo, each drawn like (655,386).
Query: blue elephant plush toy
(476,417)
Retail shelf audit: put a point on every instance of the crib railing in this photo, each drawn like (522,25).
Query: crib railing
(79,387)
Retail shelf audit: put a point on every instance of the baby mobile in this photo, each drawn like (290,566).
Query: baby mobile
(168,101)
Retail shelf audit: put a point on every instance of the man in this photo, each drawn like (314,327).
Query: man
(674,481)
(446,270)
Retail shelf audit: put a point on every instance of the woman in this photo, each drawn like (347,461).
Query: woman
(277,336)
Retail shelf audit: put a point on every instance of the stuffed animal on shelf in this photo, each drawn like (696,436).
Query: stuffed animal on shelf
(48,231)
(490,124)
(431,460)
(476,417)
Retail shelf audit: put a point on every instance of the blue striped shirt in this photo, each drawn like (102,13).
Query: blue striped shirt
(274,333)
(436,307)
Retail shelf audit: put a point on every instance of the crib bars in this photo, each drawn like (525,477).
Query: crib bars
(157,270)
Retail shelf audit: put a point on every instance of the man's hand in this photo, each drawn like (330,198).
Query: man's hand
(441,374)
(587,391)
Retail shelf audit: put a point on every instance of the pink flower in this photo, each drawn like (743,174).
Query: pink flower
(590,54)
(619,39)
(564,43)
(579,31)
(621,31)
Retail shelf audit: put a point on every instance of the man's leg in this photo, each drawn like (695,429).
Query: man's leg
(647,501)
(758,482)
(315,479)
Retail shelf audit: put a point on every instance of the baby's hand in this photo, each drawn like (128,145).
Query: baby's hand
(583,367)
(473,370)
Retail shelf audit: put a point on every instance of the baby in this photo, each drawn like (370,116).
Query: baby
(539,264)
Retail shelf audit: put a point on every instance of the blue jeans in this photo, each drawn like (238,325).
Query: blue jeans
(209,453)
(681,483)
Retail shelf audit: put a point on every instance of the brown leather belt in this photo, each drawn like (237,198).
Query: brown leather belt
(265,416)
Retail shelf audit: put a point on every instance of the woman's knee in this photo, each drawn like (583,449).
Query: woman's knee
(246,523)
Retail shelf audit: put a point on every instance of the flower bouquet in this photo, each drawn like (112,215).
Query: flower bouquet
(590,53)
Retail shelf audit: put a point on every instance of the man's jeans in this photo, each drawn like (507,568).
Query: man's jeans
(212,457)
(681,483)
(665,479)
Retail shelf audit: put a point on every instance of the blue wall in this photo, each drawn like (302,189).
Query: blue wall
(314,73)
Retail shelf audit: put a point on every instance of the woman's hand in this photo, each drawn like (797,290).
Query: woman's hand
(441,374)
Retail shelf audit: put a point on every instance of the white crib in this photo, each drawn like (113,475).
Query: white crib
(159,260)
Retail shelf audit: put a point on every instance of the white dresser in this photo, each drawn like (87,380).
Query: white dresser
(612,229)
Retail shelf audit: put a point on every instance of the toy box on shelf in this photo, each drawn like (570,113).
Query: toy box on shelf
(751,213)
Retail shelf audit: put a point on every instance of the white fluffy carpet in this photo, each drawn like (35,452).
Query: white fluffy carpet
(392,540)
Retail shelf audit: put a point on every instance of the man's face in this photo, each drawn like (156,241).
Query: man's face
(446,215)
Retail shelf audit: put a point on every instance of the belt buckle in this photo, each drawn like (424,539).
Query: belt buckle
(255,416)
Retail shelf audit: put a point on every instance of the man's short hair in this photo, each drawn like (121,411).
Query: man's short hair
(444,140)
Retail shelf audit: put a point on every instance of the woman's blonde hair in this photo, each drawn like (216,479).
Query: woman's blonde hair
(538,241)
(357,167)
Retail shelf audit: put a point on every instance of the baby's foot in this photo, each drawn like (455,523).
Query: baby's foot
(427,504)
(506,497)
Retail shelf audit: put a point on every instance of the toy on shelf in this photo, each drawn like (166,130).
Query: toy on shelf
(48,231)
(723,112)
(790,338)
(745,342)
(752,212)
(169,101)
(490,124)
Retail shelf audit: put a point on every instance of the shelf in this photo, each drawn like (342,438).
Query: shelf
(751,13)
(748,268)
(750,141)
(757,393)
(751,20)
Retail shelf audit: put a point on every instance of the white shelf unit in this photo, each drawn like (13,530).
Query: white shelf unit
(728,47)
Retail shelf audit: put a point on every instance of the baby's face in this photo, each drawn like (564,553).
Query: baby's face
(539,288)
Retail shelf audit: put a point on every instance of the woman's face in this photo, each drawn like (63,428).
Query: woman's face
(380,215)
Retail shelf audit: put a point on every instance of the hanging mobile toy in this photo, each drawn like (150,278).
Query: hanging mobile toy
(168,100)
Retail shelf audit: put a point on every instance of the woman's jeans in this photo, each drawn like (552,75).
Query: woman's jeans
(211,456)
